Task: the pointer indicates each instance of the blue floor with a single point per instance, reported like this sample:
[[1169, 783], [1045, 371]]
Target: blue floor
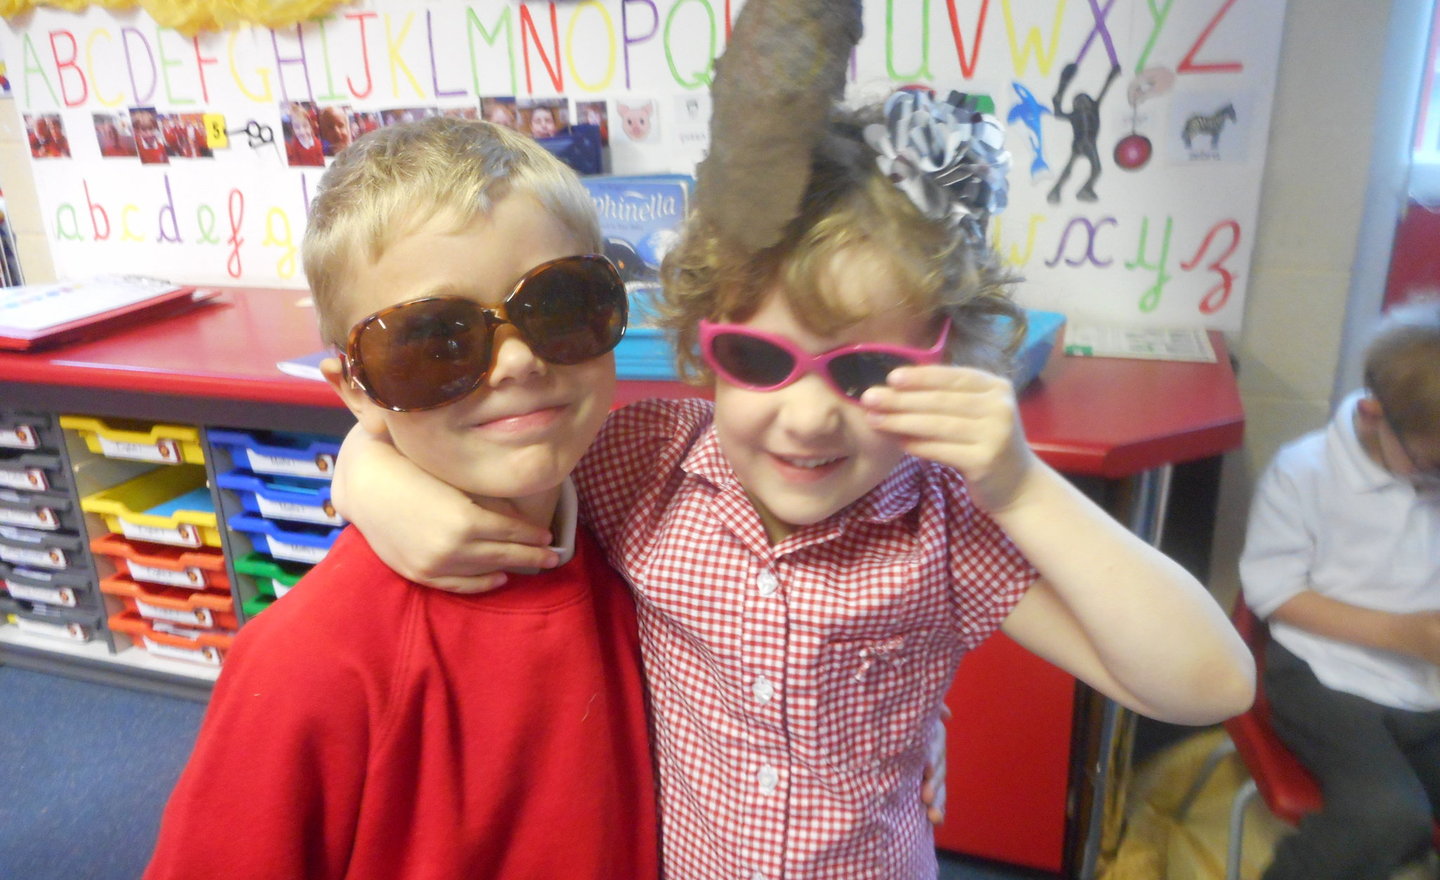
[[85, 770]]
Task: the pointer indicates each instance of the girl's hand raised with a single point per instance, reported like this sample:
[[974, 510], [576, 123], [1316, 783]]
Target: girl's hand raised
[[961, 417]]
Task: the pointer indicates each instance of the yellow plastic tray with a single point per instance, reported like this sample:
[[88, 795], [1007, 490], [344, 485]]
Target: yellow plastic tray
[[159, 443], [131, 502]]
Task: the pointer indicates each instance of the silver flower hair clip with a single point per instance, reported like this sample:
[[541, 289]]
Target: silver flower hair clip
[[949, 158]]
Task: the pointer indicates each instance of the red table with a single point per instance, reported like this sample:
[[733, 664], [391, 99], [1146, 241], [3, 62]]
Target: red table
[[1024, 739]]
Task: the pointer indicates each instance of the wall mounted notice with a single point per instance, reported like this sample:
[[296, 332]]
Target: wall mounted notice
[[1138, 127]]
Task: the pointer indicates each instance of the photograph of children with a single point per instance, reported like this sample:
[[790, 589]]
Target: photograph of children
[[337, 129], [544, 117], [500, 111], [406, 114], [112, 133], [594, 113], [47, 136], [461, 112], [185, 136], [298, 121], [149, 141], [171, 133], [364, 121]]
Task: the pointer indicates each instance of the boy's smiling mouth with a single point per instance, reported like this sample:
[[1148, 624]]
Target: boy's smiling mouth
[[523, 420]]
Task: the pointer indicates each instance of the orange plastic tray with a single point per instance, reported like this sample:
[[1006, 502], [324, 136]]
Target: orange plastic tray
[[164, 564], [206, 647], [177, 605]]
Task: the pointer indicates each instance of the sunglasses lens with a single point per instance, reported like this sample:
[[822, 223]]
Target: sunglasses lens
[[750, 361], [425, 353], [854, 373], [572, 310]]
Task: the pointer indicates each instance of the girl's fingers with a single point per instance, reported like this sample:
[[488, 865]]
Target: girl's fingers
[[957, 455], [492, 526], [485, 557], [944, 377], [923, 425], [943, 403]]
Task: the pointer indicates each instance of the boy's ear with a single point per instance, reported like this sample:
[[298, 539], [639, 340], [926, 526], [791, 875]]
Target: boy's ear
[[369, 415], [1369, 409]]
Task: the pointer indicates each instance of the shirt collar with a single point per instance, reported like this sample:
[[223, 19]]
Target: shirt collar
[[1348, 455], [562, 527], [896, 495]]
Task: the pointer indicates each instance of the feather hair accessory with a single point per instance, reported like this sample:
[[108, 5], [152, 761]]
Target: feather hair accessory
[[946, 156], [774, 88]]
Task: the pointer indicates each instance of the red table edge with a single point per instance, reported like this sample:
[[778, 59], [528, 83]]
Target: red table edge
[[1111, 462], [104, 366]]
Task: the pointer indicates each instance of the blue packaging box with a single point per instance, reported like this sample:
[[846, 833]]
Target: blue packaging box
[[640, 219]]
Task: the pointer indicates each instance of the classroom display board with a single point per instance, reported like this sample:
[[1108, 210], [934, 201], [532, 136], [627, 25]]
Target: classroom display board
[[1138, 128]]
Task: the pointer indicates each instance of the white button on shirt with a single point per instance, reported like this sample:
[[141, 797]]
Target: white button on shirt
[[769, 779], [763, 690], [767, 583]]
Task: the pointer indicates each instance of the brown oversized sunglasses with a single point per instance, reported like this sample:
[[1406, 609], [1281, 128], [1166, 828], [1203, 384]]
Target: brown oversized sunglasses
[[428, 352]]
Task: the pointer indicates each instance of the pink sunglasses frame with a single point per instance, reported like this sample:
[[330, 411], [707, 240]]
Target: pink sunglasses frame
[[806, 362]]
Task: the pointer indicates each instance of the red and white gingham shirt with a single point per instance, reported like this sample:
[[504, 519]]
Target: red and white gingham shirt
[[792, 686]]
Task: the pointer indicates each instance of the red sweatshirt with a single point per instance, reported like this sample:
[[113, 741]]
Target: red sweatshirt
[[367, 727]]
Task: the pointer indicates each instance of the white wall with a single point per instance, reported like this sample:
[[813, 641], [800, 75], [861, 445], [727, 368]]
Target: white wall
[[1314, 289], [1328, 98]]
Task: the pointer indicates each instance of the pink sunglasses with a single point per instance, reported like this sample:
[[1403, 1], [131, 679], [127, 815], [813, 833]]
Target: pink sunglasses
[[760, 361]]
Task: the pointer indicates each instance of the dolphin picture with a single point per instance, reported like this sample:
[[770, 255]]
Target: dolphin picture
[[1029, 112]]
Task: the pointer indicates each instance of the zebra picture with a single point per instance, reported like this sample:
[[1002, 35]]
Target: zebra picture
[[1212, 125]]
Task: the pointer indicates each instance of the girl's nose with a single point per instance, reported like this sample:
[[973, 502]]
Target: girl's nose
[[809, 408]]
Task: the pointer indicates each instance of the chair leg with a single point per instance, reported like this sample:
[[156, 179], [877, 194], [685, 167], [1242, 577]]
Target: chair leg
[[1221, 751], [1243, 797]]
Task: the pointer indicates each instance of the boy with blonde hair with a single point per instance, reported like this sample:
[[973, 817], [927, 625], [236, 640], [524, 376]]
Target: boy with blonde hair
[[365, 726], [1342, 557]]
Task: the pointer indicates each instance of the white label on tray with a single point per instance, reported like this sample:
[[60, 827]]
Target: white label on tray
[[187, 616], [45, 557], [322, 465], [75, 632], [28, 478], [164, 450], [280, 589], [20, 437], [183, 534], [190, 577], [49, 595], [41, 518], [296, 552], [208, 656], [324, 513]]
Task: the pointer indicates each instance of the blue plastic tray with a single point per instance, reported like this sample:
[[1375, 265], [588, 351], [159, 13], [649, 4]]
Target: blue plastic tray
[[291, 455], [298, 542], [283, 498]]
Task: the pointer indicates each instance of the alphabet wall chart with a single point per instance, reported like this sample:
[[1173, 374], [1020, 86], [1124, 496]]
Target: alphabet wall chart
[[1138, 128]]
